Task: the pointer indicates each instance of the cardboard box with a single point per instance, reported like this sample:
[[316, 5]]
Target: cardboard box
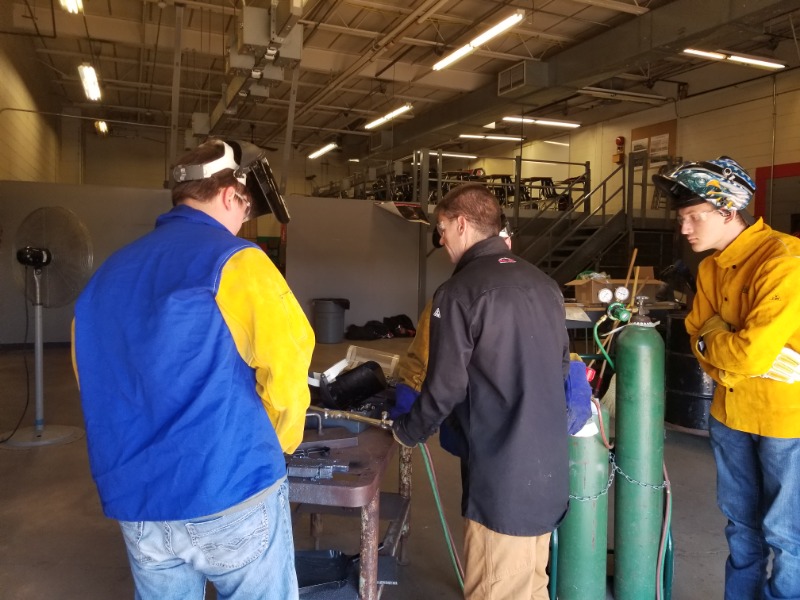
[[586, 290]]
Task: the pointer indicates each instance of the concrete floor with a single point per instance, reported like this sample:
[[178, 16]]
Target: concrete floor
[[56, 544]]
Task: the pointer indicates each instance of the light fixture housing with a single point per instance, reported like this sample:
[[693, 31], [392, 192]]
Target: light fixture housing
[[324, 150], [101, 127], [73, 7], [487, 35], [626, 96], [500, 138], [760, 62], [388, 117], [544, 122], [632, 9], [91, 86]]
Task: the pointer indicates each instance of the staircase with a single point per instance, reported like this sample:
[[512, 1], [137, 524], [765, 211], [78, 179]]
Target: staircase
[[565, 243]]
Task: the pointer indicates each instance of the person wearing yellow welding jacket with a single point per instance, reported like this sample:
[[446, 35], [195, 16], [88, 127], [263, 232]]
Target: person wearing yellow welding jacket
[[192, 358], [744, 328]]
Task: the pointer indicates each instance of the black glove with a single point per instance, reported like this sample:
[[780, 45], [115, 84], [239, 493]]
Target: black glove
[[400, 434]]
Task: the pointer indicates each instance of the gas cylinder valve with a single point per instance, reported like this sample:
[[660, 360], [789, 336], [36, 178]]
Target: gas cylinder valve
[[618, 312]]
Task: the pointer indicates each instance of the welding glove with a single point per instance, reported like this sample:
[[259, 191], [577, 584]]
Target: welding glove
[[579, 397], [401, 435], [715, 323], [786, 367], [404, 398]]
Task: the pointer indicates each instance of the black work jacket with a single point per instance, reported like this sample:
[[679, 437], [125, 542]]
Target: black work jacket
[[498, 360]]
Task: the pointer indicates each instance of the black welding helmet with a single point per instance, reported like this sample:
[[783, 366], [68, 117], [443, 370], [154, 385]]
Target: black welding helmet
[[250, 168]]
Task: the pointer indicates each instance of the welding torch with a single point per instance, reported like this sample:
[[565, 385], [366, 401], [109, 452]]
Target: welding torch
[[384, 422]]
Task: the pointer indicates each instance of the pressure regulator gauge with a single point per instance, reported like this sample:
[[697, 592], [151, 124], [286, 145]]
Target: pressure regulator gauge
[[605, 295], [621, 294]]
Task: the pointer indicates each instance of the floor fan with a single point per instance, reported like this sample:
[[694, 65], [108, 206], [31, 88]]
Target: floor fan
[[53, 257]]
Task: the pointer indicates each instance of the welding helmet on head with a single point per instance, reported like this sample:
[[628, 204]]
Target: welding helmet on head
[[722, 182], [250, 168]]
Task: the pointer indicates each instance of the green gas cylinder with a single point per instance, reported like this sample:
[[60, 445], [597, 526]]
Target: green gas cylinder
[[639, 456], [583, 535]]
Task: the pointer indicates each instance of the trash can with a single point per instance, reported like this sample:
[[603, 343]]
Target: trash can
[[329, 319]]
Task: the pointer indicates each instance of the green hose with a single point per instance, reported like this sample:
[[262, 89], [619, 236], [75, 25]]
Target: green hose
[[431, 477], [599, 343]]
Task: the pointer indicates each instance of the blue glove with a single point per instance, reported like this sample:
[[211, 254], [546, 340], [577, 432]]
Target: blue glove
[[579, 397], [404, 398]]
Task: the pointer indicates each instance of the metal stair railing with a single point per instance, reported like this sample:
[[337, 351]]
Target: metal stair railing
[[558, 231]]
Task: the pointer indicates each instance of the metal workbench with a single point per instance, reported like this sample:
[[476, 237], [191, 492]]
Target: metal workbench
[[358, 490]]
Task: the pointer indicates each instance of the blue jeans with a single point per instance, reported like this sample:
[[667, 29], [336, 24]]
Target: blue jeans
[[247, 555], [758, 490]]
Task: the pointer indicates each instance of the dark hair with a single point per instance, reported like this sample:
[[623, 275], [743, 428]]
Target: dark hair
[[476, 204], [204, 190]]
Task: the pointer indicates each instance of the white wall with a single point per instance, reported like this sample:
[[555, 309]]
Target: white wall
[[337, 248], [344, 248], [113, 217], [739, 122]]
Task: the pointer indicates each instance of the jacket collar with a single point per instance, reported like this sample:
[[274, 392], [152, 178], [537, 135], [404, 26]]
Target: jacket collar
[[187, 214], [491, 245], [745, 244]]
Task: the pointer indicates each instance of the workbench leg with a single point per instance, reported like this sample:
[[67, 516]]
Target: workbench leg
[[405, 493], [368, 576], [316, 528]]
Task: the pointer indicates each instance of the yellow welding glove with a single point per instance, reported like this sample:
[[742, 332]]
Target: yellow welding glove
[[714, 325], [786, 367]]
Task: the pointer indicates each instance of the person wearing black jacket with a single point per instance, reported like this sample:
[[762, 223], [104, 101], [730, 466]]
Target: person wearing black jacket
[[498, 360]]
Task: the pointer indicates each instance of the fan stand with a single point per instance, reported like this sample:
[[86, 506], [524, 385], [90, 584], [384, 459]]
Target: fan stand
[[38, 435]]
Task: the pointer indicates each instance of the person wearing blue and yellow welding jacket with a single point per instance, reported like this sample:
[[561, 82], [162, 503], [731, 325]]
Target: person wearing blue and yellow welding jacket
[[744, 328], [192, 358]]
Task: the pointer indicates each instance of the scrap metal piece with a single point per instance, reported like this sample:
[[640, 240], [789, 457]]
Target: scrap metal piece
[[315, 468]]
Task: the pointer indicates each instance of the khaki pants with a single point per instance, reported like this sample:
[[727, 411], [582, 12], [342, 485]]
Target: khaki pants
[[504, 567]]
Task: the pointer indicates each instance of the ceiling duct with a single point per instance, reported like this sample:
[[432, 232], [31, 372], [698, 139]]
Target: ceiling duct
[[522, 79], [268, 39], [380, 140]]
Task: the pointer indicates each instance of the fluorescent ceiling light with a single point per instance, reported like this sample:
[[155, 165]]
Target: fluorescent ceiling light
[[323, 150], [101, 127], [755, 61], [704, 54], [622, 95], [73, 7], [457, 155], [388, 117], [469, 48], [545, 122], [502, 138], [737, 57], [353, 160], [556, 143], [91, 87]]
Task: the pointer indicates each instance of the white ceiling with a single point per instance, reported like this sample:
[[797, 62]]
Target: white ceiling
[[355, 60]]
